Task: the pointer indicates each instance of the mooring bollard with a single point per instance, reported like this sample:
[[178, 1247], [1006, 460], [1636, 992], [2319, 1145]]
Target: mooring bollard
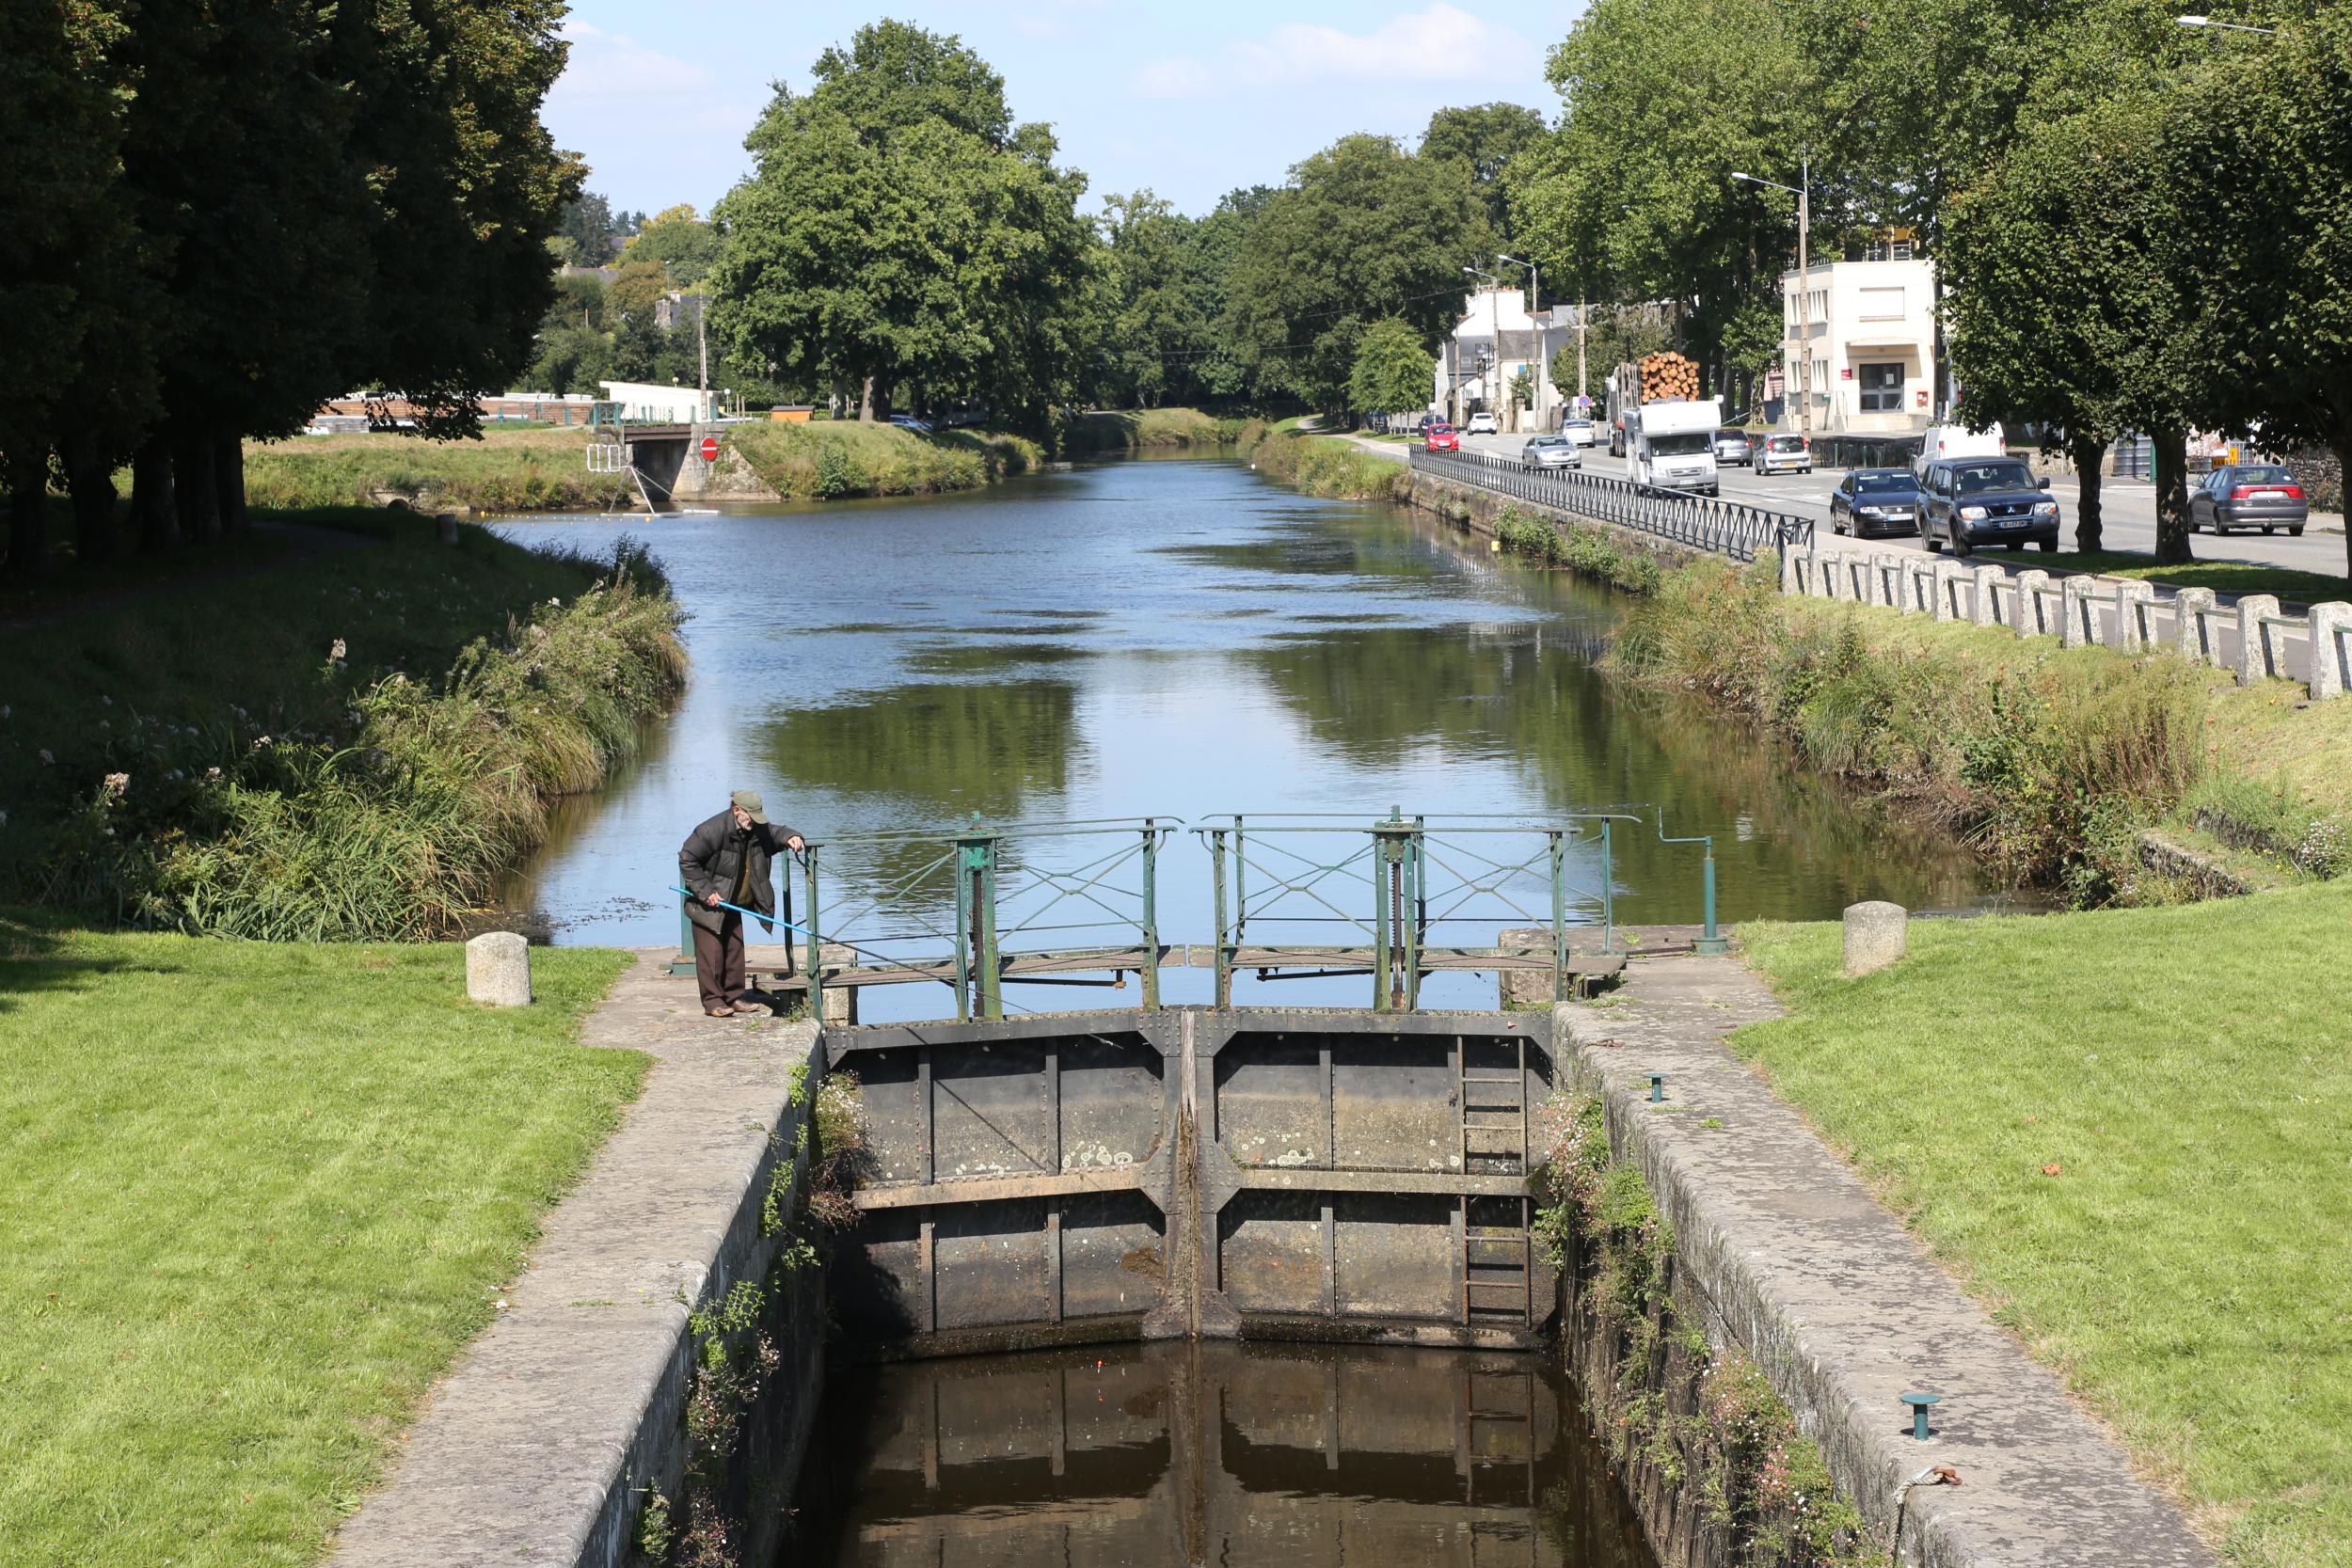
[[1877, 934], [1919, 1403], [498, 969], [445, 527], [1658, 1088]]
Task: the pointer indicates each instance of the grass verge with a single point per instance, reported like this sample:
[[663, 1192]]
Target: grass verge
[[2130, 1142], [1328, 466], [539, 469], [254, 1198], [834, 459], [2223, 576], [1584, 549], [1108, 430]]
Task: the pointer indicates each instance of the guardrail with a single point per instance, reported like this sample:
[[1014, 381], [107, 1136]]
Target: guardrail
[[1699, 522], [2249, 637]]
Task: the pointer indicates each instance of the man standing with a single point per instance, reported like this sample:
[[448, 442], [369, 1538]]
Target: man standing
[[728, 860]]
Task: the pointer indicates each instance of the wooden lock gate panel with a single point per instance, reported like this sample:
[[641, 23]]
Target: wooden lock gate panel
[[1264, 1172]]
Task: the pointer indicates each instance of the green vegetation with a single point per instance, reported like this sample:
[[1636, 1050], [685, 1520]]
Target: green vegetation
[[832, 459], [1148, 430], [1392, 371], [534, 469], [1672, 1407], [2229, 576], [1584, 549], [331, 748], [1328, 466], [254, 1199], [2130, 1145]]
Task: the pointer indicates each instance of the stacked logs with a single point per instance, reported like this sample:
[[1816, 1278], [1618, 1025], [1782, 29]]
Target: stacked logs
[[1667, 374]]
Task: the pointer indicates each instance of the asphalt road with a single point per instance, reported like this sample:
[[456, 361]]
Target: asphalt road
[[2129, 506]]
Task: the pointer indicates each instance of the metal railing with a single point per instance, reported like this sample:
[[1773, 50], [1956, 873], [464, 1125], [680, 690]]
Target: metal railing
[[1706, 523]]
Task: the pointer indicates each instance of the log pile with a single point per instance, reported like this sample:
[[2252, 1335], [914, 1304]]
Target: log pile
[[1667, 374]]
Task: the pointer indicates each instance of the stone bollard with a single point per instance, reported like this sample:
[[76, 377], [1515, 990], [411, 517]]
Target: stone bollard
[[2029, 586], [498, 969], [2133, 611], [1877, 934], [1943, 577], [2332, 659], [2255, 663], [1985, 609], [1894, 582], [2191, 635], [2074, 612], [1789, 569], [445, 525]]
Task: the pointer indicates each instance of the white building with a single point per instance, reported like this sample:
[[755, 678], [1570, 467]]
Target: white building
[[1468, 377], [1873, 343], [655, 403]]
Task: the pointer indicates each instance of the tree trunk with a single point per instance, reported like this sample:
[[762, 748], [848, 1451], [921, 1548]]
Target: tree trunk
[[154, 503], [199, 497], [2172, 457], [89, 479], [866, 401], [229, 479], [29, 501], [2089, 454], [2343, 484]]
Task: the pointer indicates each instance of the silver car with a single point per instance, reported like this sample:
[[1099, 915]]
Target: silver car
[[1551, 452], [1784, 455], [2250, 495], [1732, 446]]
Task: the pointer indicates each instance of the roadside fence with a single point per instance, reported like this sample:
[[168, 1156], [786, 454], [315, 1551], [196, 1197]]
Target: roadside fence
[[1697, 522]]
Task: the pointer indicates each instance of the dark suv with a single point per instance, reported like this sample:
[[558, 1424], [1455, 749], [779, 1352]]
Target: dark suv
[[1986, 500]]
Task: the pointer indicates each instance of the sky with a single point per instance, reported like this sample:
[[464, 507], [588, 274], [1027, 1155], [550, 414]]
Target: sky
[[1191, 100]]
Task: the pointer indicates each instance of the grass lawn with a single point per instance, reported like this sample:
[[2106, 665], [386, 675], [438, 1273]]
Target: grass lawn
[[2187, 1069], [2226, 576], [253, 1200]]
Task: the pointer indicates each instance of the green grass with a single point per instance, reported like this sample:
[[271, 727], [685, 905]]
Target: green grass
[[2186, 1069], [1139, 429], [2226, 576], [841, 458], [253, 1200], [1320, 465], [541, 468]]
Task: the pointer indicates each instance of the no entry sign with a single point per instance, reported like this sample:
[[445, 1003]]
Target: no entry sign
[[710, 449]]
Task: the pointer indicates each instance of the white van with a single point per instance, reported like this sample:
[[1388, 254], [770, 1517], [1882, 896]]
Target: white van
[[1958, 440]]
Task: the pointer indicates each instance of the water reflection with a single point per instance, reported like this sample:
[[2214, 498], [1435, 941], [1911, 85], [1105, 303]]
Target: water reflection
[[1212, 1453]]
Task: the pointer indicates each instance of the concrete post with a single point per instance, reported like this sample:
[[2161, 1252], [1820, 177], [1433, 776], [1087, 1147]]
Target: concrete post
[[2135, 605], [1986, 610], [2191, 636], [498, 969], [1942, 576], [2074, 611], [2029, 586], [1877, 934], [2255, 663], [445, 527], [2332, 650], [1789, 569], [1894, 582], [1859, 571], [1829, 566]]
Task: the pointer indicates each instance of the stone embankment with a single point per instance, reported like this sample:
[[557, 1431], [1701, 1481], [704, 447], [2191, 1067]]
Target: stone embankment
[[565, 1427], [1781, 1252]]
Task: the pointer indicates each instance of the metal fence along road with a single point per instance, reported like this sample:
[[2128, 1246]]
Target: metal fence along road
[[1700, 522]]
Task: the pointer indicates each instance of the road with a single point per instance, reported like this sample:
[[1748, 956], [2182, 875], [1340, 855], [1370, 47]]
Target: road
[[2130, 511]]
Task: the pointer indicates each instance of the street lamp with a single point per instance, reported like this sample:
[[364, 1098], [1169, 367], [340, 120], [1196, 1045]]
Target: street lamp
[[1803, 193], [1534, 303], [2225, 27]]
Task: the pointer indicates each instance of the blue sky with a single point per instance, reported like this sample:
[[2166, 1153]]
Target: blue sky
[[1191, 100]]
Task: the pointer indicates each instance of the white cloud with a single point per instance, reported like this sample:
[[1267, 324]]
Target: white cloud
[[607, 65], [1443, 43]]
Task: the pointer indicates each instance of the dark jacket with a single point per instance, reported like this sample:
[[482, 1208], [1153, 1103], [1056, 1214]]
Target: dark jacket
[[712, 856]]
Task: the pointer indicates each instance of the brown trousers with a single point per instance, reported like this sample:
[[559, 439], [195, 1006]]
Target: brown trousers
[[719, 960]]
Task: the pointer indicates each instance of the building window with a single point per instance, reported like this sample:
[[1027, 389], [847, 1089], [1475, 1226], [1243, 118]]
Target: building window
[[1882, 388]]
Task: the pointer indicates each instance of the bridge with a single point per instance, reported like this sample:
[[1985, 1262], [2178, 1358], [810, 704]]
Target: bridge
[[656, 452]]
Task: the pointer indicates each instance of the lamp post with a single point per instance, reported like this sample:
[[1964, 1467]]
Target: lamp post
[[1494, 319], [1803, 191], [1534, 303]]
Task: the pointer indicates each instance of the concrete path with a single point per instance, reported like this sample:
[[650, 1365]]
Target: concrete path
[[529, 1453], [1841, 1307]]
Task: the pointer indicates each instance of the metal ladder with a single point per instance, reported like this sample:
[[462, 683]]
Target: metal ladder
[[1499, 1255]]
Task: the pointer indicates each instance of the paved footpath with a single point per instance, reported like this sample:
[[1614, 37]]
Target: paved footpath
[[529, 1452], [1841, 1307]]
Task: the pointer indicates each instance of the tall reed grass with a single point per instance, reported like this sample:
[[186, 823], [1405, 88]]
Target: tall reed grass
[[400, 822]]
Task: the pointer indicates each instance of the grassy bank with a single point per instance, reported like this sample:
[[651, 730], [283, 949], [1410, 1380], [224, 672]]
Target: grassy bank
[[254, 1199], [1586, 549], [1113, 430], [538, 470], [832, 459], [1328, 466], [2125, 1129], [356, 744], [2224, 577]]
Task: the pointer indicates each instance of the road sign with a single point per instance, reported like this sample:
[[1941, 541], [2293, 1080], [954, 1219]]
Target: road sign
[[710, 449]]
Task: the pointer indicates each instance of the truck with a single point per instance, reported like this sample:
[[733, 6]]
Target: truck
[[1670, 444], [1958, 440]]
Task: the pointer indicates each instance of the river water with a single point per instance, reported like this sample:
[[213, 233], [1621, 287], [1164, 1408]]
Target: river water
[[1178, 636]]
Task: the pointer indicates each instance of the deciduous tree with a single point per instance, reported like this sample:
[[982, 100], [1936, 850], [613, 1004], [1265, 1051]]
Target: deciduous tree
[[1394, 372]]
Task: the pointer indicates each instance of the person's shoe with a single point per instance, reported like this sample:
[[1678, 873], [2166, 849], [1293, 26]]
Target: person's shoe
[[749, 1010], [718, 1012]]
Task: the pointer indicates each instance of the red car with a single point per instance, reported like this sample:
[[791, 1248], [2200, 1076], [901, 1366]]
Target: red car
[[1440, 437]]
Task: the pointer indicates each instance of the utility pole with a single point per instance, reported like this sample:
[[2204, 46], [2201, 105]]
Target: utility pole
[[1803, 191], [702, 342], [1584, 308]]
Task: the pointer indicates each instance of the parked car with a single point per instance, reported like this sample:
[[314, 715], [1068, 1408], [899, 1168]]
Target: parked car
[[1421, 426], [1583, 432], [1551, 452], [1986, 500], [1732, 446], [2250, 495], [908, 421], [1484, 424], [1783, 454], [1440, 436], [1868, 502]]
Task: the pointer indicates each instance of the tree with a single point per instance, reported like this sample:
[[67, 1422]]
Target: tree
[[585, 233], [1365, 230], [1154, 328], [678, 240], [1393, 372], [1214, 249], [1486, 139]]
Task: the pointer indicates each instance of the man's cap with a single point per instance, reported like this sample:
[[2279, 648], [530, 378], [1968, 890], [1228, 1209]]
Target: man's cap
[[748, 800]]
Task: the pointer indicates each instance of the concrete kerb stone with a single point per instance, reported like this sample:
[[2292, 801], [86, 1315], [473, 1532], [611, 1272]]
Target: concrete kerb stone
[[498, 969], [1800, 1268], [1877, 934], [2332, 650], [2255, 660], [1985, 609], [2135, 611], [2192, 634], [538, 1449]]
